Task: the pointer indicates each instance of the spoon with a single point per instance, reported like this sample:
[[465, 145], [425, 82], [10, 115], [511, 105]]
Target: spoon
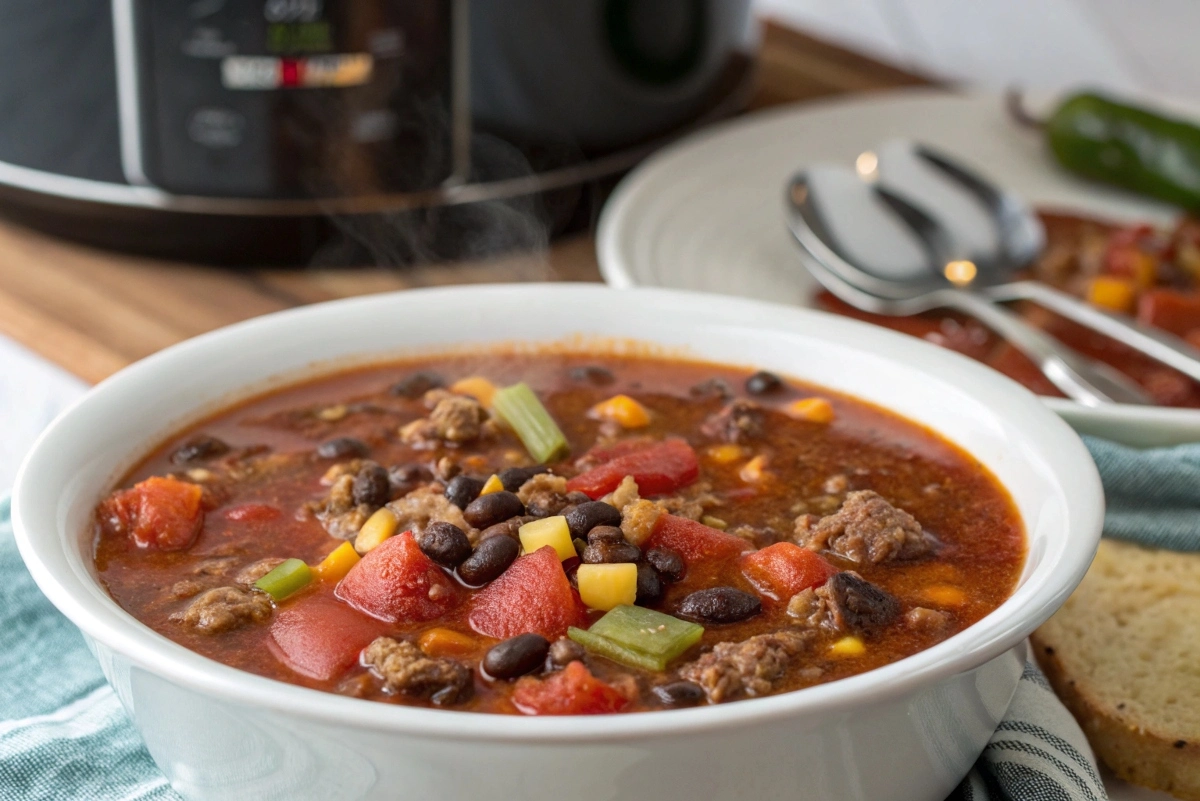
[[1083, 380], [1019, 240]]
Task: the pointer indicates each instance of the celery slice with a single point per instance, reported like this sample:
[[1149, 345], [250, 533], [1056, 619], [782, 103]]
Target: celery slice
[[289, 577], [639, 637], [522, 410]]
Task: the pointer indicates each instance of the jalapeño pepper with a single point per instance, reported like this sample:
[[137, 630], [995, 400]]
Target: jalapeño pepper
[[1129, 147]]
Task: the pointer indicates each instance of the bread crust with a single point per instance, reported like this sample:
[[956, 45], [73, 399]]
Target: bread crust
[[1135, 745]]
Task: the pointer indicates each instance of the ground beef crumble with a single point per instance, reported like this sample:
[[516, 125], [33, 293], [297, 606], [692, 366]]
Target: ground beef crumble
[[405, 669], [844, 603], [426, 505], [224, 609], [453, 419], [748, 668], [739, 422], [865, 529], [544, 495]]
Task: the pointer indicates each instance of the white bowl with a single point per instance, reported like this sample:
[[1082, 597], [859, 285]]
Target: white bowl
[[909, 730]]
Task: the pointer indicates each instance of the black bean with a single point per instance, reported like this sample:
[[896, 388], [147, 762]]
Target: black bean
[[610, 553], [371, 486], [513, 477], [605, 535], [586, 516], [864, 606], [417, 384], [461, 490], [508, 528], [495, 507], [444, 543], [669, 564], [198, 449], [516, 656], [649, 586], [491, 558], [342, 448], [578, 498], [719, 605], [679, 693], [763, 383], [405, 478], [563, 652], [593, 374]]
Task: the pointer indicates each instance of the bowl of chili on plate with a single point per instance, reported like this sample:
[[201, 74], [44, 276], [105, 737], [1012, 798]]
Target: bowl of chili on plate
[[559, 540]]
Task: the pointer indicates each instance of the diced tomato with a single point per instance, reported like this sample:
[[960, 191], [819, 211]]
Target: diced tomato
[[573, 691], [1177, 312], [252, 513], [532, 595], [162, 513], [694, 541], [781, 570], [397, 582], [657, 469], [320, 638], [606, 453]]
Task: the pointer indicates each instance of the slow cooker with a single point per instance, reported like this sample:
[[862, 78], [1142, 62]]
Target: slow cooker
[[248, 130]]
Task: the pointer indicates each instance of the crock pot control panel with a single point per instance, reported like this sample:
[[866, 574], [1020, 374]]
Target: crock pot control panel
[[289, 98]]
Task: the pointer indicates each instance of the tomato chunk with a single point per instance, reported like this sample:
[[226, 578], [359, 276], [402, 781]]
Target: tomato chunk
[[320, 638], [1177, 312], [533, 595], [694, 541], [657, 468], [162, 513], [781, 570], [396, 582], [573, 691]]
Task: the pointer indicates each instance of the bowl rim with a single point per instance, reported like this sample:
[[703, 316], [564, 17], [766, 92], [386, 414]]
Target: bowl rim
[[39, 537]]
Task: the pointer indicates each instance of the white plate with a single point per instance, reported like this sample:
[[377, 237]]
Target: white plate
[[707, 212]]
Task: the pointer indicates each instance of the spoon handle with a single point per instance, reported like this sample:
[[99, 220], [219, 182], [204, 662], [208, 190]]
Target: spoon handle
[[1080, 379], [1158, 345]]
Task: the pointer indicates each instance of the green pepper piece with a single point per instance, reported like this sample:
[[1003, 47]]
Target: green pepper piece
[[639, 637], [1128, 146], [289, 577], [522, 410]]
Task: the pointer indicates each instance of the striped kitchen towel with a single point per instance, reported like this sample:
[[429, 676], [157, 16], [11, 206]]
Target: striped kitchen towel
[[65, 737]]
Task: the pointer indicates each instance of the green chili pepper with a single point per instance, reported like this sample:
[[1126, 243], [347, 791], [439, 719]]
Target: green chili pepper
[[1128, 146]]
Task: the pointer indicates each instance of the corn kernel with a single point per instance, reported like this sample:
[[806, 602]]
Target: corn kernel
[[446, 642], [605, 587], [812, 410], [337, 564], [378, 528], [331, 414], [493, 484], [1115, 294], [714, 522], [754, 470], [477, 387], [726, 454], [622, 410], [944, 595], [552, 531], [848, 646]]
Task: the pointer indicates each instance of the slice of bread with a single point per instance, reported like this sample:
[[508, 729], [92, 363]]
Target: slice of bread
[[1124, 656]]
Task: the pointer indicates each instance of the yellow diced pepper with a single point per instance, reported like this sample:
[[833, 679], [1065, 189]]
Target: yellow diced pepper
[[337, 564], [754, 470], [848, 646], [605, 587], [944, 595], [446, 642], [623, 410], [493, 484], [477, 387], [552, 531], [378, 528], [1114, 294], [726, 454], [812, 410]]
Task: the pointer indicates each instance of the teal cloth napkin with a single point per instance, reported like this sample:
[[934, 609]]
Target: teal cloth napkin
[[64, 735]]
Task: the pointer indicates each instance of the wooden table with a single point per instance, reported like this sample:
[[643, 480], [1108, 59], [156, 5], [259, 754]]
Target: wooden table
[[93, 311]]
